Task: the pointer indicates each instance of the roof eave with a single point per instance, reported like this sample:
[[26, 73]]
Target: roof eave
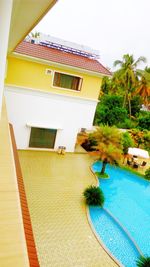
[[57, 64], [21, 25]]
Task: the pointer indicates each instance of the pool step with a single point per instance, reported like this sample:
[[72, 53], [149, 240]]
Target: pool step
[[114, 236]]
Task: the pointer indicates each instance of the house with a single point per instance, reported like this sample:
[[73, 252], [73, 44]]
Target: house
[[17, 19], [51, 93]]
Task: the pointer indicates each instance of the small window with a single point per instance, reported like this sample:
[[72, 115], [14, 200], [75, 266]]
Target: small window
[[42, 138], [67, 81]]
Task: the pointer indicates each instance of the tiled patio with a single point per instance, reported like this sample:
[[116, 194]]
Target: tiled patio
[[54, 185]]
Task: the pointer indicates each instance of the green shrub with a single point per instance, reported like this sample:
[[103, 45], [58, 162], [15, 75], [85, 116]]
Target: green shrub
[[136, 104], [146, 138], [144, 122], [110, 111], [127, 142], [143, 262], [147, 174], [94, 196], [126, 124]]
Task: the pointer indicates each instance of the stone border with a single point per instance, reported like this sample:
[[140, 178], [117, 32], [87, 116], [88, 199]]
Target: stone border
[[31, 247]]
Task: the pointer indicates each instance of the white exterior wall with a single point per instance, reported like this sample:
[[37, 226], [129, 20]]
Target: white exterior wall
[[5, 17], [47, 110]]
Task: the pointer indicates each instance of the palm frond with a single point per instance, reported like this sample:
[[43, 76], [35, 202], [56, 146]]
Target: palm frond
[[117, 62], [140, 60], [143, 262]]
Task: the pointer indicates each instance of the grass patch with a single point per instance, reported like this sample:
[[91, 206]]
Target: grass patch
[[104, 176], [131, 170], [124, 168], [134, 172]]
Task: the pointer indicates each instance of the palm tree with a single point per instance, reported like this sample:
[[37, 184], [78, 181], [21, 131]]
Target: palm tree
[[111, 85], [127, 76], [108, 148], [35, 34], [127, 141], [106, 85], [143, 88], [137, 136]]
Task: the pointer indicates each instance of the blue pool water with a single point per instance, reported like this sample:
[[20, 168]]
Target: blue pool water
[[114, 237], [127, 197]]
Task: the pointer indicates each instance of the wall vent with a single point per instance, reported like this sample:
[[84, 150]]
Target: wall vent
[[48, 72]]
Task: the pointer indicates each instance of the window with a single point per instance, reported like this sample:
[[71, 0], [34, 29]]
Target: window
[[42, 138], [67, 81]]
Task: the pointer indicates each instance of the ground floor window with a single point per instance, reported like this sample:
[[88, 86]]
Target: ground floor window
[[42, 138]]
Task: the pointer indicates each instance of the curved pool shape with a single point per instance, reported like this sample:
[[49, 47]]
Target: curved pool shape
[[127, 198]]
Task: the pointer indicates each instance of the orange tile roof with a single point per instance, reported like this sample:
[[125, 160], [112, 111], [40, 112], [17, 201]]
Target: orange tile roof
[[58, 56]]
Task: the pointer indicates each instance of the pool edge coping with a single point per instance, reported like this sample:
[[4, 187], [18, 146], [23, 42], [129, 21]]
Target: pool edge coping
[[95, 233], [109, 213]]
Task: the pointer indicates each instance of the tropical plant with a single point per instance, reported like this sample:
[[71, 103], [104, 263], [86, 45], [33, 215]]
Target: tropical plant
[[143, 262], [109, 147], [127, 76], [34, 34], [137, 136], [127, 124], [144, 122], [94, 196], [143, 88], [82, 137], [147, 174], [106, 85], [127, 142], [117, 87], [89, 143], [146, 138], [109, 110], [136, 105]]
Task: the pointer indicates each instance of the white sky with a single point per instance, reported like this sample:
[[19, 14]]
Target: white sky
[[114, 27]]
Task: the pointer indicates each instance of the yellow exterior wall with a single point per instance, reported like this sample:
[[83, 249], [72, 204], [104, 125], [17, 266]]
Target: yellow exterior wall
[[32, 75]]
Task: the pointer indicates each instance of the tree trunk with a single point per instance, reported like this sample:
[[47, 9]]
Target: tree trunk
[[103, 167], [129, 102], [124, 100]]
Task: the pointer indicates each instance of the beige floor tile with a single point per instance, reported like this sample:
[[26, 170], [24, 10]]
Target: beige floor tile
[[54, 186]]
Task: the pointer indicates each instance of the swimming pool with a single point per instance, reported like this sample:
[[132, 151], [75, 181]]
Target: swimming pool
[[127, 198]]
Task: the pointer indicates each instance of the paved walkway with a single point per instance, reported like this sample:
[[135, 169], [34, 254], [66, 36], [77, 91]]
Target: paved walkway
[[54, 186], [80, 149]]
